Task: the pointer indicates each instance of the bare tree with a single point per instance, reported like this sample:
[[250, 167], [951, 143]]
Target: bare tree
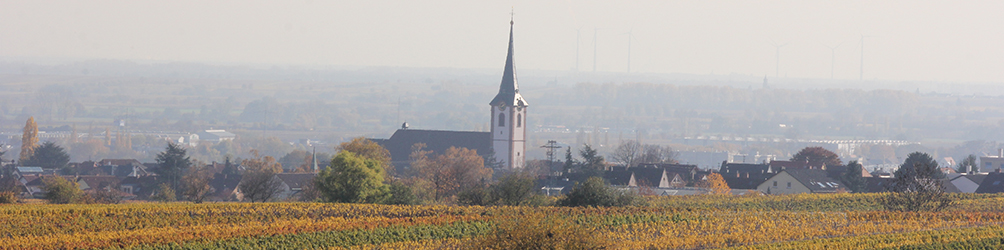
[[627, 152], [259, 186], [195, 184], [657, 154], [455, 170], [259, 183]]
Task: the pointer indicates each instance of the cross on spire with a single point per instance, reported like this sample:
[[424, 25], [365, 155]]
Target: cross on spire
[[512, 15]]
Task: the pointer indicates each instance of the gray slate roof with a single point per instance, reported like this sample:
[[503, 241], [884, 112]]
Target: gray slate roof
[[816, 180], [993, 183], [437, 141], [296, 181]]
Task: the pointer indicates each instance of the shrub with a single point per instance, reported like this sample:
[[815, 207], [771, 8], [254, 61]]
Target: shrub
[[164, 194], [594, 192], [539, 231], [105, 196], [401, 194], [8, 197], [513, 189], [59, 190], [475, 196]]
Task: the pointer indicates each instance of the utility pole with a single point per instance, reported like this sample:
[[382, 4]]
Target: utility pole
[[550, 147]]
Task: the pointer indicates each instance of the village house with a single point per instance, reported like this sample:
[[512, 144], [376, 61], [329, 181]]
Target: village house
[[795, 181]]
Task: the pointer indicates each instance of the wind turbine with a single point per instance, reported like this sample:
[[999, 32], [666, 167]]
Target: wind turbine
[[595, 31], [777, 60], [833, 57], [630, 37], [577, 33]]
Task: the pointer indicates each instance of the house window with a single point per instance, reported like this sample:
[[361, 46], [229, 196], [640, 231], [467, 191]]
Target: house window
[[775, 183], [519, 120], [789, 185], [501, 120]]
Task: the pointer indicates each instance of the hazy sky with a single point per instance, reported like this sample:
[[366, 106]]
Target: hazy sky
[[904, 40]]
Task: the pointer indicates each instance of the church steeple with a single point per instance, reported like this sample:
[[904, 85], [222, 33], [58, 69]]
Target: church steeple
[[509, 90], [509, 116]]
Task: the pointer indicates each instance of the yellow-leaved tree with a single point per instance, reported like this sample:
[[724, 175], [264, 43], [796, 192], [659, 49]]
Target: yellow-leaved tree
[[716, 185], [29, 139]]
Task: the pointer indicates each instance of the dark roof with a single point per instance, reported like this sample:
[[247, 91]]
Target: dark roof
[[949, 187], [31, 180], [816, 180], [687, 172], [743, 168], [877, 184], [744, 182], [880, 172], [782, 165], [977, 178], [745, 175], [509, 90], [99, 181], [142, 186], [143, 180], [574, 177], [618, 177], [993, 183], [649, 177], [222, 182], [437, 141], [296, 181]]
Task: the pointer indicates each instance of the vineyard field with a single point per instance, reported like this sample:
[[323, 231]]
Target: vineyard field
[[834, 221]]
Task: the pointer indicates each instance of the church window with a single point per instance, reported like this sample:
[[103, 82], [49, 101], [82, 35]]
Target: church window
[[519, 120], [501, 120]]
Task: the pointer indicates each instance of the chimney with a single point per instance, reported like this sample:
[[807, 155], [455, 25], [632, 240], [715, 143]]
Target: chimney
[[1000, 153]]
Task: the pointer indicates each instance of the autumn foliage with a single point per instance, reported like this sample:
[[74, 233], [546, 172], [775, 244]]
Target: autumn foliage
[[716, 185], [832, 221]]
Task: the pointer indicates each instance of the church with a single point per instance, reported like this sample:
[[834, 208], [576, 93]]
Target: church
[[506, 141]]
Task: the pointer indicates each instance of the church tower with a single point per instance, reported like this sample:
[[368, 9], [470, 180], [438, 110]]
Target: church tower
[[508, 126]]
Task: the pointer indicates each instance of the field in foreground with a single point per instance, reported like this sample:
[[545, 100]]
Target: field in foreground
[[843, 221]]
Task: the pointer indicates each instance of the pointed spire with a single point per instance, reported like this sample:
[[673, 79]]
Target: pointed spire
[[509, 89]]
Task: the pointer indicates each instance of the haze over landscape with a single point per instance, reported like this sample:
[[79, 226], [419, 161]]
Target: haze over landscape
[[453, 124], [345, 69], [904, 40]]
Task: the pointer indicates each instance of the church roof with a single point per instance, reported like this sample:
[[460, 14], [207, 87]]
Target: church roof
[[509, 90], [436, 141]]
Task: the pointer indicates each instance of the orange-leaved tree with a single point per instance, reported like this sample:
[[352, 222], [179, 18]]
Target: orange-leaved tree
[[716, 185], [454, 170]]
